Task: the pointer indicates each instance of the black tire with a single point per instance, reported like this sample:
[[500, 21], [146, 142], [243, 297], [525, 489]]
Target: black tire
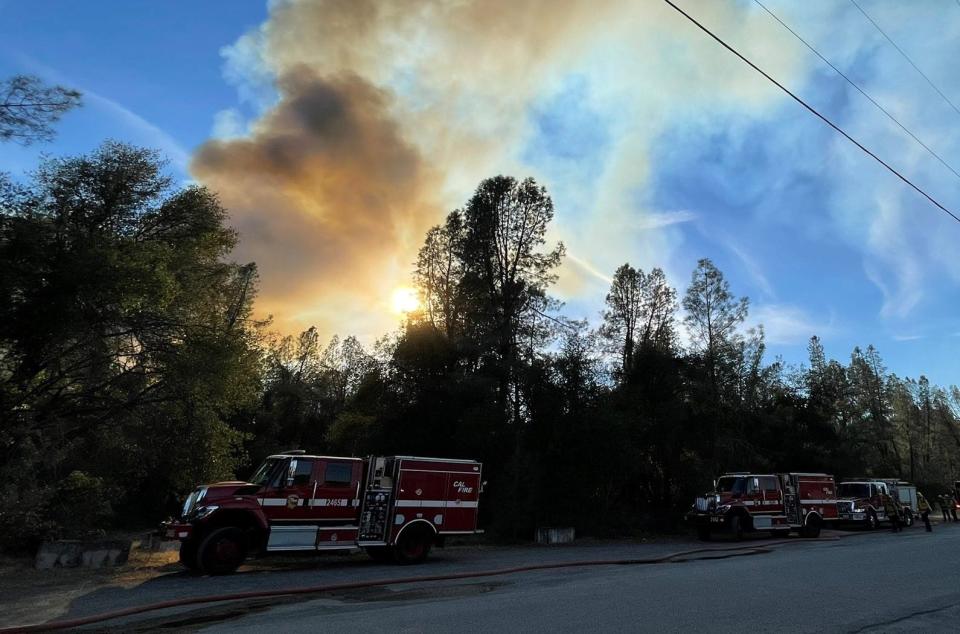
[[380, 554], [413, 546], [188, 555], [872, 522], [736, 527], [812, 528], [222, 551], [703, 533], [908, 518]]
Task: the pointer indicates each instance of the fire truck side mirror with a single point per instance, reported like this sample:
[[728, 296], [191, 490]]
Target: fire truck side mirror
[[483, 485], [714, 485]]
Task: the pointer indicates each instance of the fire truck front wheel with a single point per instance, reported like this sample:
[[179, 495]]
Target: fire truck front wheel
[[736, 527], [222, 551], [188, 555], [413, 546]]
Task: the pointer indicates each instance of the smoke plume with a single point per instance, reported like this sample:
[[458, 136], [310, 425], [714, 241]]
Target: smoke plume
[[387, 115]]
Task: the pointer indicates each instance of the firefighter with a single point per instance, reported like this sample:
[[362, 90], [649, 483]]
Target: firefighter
[[893, 513], [944, 508], [924, 507]]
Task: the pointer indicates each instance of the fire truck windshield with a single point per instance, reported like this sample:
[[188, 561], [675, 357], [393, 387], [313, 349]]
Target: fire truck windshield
[[853, 490], [728, 484], [262, 475]]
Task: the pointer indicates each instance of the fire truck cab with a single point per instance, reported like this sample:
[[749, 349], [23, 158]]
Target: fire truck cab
[[861, 501], [774, 502], [394, 507]]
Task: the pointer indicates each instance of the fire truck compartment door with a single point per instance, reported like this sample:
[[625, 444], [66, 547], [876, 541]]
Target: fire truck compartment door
[[762, 522], [292, 538]]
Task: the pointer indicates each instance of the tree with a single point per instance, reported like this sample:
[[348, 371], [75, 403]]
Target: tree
[[28, 108], [870, 392], [640, 312], [624, 307], [438, 274], [713, 316], [506, 273], [127, 346]]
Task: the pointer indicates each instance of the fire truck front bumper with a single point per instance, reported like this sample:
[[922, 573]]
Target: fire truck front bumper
[[713, 520], [175, 529], [852, 517]]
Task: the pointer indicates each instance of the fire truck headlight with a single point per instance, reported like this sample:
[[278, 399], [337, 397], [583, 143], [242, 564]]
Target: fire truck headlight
[[203, 511]]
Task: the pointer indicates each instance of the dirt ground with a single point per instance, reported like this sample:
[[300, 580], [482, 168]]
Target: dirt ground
[[28, 595]]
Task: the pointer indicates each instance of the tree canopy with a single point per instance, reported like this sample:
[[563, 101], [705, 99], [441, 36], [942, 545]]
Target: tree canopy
[[132, 369]]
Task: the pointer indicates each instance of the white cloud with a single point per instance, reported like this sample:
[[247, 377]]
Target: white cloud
[[229, 124], [753, 269], [906, 337], [786, 324], [147, 133], [658, 220]]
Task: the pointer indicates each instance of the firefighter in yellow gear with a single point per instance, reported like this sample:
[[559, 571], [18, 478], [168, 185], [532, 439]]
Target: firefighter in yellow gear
[[924, 508], [892, 510]]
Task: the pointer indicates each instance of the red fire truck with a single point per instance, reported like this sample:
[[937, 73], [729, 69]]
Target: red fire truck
[[394, 507], [861, 501], [775, 502]]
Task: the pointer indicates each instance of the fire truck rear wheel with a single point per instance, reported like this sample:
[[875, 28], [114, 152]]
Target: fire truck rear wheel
[[222, 551], [413, 546], [188, 555], [812, 528]]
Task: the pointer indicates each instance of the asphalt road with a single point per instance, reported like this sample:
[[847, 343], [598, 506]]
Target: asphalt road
[[864, 583]]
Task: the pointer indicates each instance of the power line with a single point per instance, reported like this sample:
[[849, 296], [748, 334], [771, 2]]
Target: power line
[[905, 56], [814, 111], [859, 89], [554, 319]]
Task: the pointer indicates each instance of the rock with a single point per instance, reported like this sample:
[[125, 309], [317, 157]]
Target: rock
[[71, 554], [555, 535]]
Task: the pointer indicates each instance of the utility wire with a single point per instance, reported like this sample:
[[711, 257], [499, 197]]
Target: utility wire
[[814, 111], [905, 56], [554, 319], [859, 89]]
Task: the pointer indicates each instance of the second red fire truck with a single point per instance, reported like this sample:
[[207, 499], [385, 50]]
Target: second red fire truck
[[394, 507], [774, 502]]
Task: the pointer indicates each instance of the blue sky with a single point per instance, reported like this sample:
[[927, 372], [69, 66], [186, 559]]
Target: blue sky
[[657, 149]]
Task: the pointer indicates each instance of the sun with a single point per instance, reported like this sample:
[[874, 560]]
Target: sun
[[405, 300]]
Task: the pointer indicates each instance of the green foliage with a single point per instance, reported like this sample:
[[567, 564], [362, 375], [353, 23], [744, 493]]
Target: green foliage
[[126, 344]]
